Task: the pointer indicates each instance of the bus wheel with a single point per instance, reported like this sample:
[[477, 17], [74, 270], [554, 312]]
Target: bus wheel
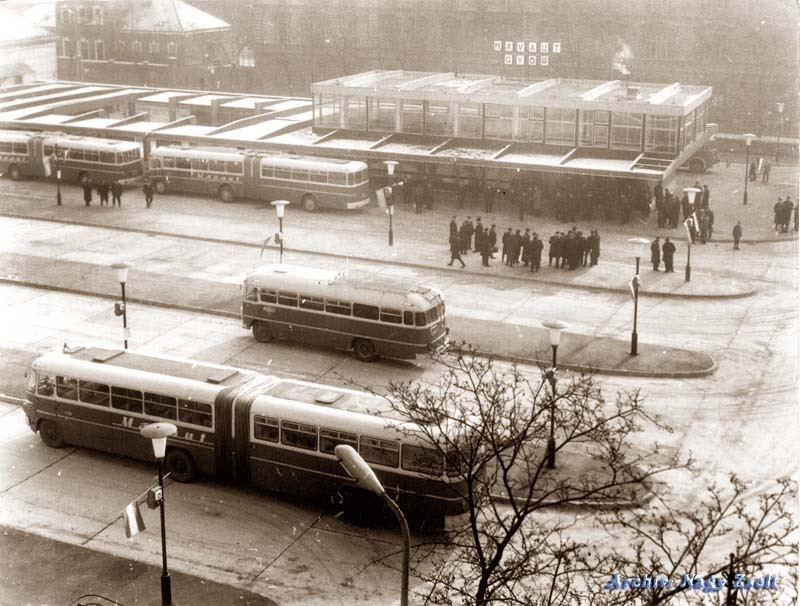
[[83, 177], [261, 332], [180, 465], [364, 350], [160, 186], [14, 173], [51, 434], [226, 194], [310, 203], [697, 165]]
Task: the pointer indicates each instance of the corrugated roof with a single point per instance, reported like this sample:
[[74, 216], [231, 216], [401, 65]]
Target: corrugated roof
[[170, 16]]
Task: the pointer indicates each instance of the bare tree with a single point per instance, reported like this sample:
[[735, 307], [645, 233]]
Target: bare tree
[[491, 427]]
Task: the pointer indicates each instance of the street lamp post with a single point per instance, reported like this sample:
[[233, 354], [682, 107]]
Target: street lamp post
[[639, 247], [390, 166], [58, 174], [280, 206], [158, 434], [780, 132], [554, 327], [122, 310], [748, 139], [365, 477], [691, 192]]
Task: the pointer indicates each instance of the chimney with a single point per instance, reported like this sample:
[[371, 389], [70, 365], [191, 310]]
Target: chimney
[[633, 91]]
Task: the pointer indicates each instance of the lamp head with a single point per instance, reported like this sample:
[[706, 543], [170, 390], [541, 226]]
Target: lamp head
[[555, 327], [390, 166], [639, 245], [691, 192], [358, 469], [748, 139], [280, 205], [122, 271], [158, 434]]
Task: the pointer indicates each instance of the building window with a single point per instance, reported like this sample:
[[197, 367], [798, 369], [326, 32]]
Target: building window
[[83, 15], [98, 15], [172, 50], [247, 58], [560, 126], [121, 48], [626, 131], [136, 47], [154, 48], [99, 50], [66, 15], [67, 48], [84, 47]]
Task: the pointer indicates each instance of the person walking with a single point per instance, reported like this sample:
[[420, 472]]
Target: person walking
[[506, 241], [655, 254], [752, 171], [484, 247], [102, 192], [492, 241], [455, 250], [536, 252], [116, 194], [87, 191], [478, 230], [525, 249], [147, 189], [706, 199], [464, 237], [595, 254], [453, 227], [737, 235], [668, 249], [551, 251], [766, 167]]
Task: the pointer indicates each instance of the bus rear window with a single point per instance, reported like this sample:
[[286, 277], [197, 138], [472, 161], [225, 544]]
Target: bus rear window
[[378, 451], [420, 318], [422, 460]]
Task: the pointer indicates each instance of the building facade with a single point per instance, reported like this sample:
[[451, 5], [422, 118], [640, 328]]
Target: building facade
[[747, 51], [157, 43]]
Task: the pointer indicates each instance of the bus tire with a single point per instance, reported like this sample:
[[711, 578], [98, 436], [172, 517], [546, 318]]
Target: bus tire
[[83, 177], [51, 434], [226, 193], [697, 165], [160, 186], [364, 350], [14, 172], [310, 204], [180, 465], [261, 332]]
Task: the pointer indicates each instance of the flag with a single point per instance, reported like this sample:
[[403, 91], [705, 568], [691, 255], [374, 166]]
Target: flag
[[134, 523], [633, 285], [265, 242], [688, 228]]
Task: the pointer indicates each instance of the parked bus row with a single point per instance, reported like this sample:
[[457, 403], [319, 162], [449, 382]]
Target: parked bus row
[[230, 174], [237, 426]]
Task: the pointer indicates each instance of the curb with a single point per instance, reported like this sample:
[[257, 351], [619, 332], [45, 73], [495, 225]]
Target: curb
[[228, 314], [591, 287]]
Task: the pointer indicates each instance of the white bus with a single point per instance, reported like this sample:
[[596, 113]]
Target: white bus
[[230, 174]]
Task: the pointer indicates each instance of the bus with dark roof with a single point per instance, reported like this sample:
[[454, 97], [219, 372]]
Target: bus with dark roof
[[238, 426]]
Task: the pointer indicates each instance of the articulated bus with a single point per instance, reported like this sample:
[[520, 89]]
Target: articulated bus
[[372, 315], [29, 154], [238, 426], [230, 174]]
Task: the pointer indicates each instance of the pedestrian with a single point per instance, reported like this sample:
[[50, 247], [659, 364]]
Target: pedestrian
[[580, 249], [669, 254], [453, 227], [551, 251], [786, 214], [795, 216], [766, 167], [506, 246], [515, 242], [484, 247], [706, 199], [87, 190], [147, 189], [753, 172], [492, 241], [655, 254], [116, 194], [536, 252], [595, 255], [737, 235], [728, 158], [102, 192], [464, 236], [455, 250], [525, 248], [478, 229], [776, 209]]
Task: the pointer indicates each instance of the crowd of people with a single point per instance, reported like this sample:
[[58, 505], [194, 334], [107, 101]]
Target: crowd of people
[[105, 188], [569, 250], [783, 210]]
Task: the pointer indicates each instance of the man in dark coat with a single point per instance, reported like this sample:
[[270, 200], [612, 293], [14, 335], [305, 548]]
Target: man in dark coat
[[506, 246], [455, 250], [515, 243], [737, 235], [102, 191], [706, 196], [464, 236], [478, 228], [580, 249], [116, 194], [536, 252], [655, 254], [595, 254], [484, 247], [453, 227], [492, 241], [147, 190], [551, 251], [776, 209], [669, 254], [525, 249], [87, 191]]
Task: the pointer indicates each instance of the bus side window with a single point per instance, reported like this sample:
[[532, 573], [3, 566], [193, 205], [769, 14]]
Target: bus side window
[[379, 451], [91, 156], [269, 296], [299, 436], [367, 312], [408, 318], [318, 176], [93, 393], [234, 168], [287, 298], [283, 173], [420, 317], [217, 166], [267, 172], [74, 154], [6, 148], [329, 439], [300, 174], [67, 388], [391, 315], [126, 399], [423, 460], [197, 413], [334, 306], [315, 303], [155, 163], [44, 384], [250, 293], [107, 157], [20, 148], [335, 178], [169, 162], [183, 163], [265, 429], [160, 406]]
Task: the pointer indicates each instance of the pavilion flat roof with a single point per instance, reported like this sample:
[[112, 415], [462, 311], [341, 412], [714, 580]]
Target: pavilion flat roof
[[141, 127], [165, 96]]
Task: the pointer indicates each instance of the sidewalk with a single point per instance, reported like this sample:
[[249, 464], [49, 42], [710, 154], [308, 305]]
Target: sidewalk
[[502, 340], [63, 573]]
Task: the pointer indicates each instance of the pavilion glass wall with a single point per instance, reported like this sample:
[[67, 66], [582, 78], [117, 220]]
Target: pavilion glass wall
[[499, 122], [470, 120], [700, 120], [560, 126], [688, 128], [438, 119], [356, 113], [328, 111], [626, 131], [661, 134], [411, 116], [381, 114]]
